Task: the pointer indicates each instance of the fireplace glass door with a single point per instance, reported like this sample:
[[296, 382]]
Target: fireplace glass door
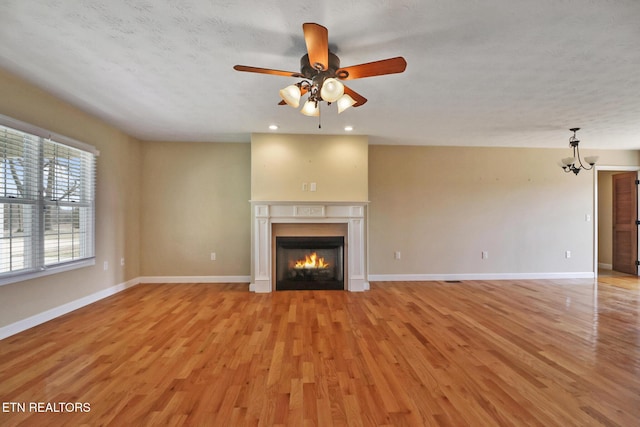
[[309, 263]]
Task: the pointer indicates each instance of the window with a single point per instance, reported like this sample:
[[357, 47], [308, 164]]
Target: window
[[47, 198]]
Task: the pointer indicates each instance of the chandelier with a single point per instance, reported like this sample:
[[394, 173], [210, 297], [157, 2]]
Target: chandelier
[[574, 164], [320, 89]]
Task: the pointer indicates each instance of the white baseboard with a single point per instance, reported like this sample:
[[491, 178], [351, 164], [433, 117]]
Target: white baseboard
[[477, 276], [604, 266], [45, 316], [195, 279], [30, 322]]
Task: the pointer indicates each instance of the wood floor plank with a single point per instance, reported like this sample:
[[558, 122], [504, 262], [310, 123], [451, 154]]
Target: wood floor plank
[[512, 353]]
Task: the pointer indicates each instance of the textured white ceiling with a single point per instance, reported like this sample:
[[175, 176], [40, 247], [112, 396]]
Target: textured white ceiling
[[492, 72]]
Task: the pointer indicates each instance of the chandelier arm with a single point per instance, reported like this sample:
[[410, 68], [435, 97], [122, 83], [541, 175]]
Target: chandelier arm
[[576, 154], [580, 160]]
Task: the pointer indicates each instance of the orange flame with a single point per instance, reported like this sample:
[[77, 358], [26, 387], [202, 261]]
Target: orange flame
[[311, 261]]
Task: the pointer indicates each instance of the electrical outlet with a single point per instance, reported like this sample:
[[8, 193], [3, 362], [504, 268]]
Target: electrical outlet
[[312, 187], [485, 254], [105, 265], [121, 262], [304, 186], [567, 254], [396, 255], [213, 256]]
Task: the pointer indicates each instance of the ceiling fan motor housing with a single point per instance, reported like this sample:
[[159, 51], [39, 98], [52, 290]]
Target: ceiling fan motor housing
[[309, 72]]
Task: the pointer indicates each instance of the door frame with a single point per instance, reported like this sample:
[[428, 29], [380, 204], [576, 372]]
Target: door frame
[[597, 169]]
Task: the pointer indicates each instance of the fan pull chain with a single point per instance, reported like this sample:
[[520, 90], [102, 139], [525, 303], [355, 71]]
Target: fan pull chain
[[319, 116]]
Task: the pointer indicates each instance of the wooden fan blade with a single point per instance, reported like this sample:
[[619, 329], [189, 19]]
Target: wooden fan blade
[[303, 90], [317, 39], [370, 69], [360, 100], [266, 71]]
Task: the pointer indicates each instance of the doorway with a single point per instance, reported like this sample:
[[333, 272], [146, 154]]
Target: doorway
[[616, 243]]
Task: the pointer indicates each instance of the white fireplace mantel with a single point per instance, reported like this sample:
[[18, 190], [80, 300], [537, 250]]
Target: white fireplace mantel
[[265, 214]]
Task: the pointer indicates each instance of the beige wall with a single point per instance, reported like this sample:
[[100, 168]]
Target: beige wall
[[442, 206], [196, 201], [117, 203], [605, 217], [281, 163]]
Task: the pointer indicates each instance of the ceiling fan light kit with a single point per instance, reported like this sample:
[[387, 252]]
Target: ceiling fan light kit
[[311, 108], [331, 90], [345, 102], [291, 95], [574, 163], [322, 75]]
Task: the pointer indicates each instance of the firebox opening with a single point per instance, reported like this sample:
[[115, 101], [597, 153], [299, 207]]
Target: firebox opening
[[310, 263]]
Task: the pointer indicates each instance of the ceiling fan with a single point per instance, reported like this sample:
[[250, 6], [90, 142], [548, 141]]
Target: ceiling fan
[[322, 75]]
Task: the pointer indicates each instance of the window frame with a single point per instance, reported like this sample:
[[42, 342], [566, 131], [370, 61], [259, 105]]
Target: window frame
[[40, 268]]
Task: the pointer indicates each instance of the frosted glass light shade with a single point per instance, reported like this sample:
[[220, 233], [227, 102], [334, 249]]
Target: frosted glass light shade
[[310, 109], [345, 102], [331, 90], [568, 161], [291, 95], [591, 159]]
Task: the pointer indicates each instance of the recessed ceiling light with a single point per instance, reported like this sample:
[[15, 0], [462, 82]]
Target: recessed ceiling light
[[348, 128], [273, 127]]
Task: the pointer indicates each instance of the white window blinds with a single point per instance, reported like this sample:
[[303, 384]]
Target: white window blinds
[[47, 199]]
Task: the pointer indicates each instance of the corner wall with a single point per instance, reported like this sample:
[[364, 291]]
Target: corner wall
[[117, 204], [196, 201], [441, 207]]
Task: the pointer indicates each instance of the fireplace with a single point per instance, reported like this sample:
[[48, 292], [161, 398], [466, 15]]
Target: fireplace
[[297, 222], [309, 263]]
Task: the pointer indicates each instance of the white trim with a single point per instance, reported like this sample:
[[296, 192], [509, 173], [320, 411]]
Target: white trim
[[194, 279], [47, 134], [47, 271], [309, 202], [265, 214], [605, 266], [478, 276], [45, 316], [605, 168]]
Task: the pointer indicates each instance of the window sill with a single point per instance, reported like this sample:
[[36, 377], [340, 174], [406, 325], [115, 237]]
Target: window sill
[[20, 277]]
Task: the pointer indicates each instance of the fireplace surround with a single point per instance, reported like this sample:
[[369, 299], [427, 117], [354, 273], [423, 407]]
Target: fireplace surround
[[298, 219]]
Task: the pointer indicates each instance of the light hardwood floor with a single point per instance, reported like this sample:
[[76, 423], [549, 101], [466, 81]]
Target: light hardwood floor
[[478, 353]]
